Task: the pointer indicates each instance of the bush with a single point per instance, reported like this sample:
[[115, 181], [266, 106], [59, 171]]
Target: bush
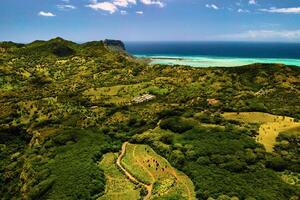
[[40, 189], [235, 166], [277, 163], [176, 124], [170, 113], [157, 91], [63, 138]]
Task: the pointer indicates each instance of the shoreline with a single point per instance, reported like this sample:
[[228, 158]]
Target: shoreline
[[214, 61]]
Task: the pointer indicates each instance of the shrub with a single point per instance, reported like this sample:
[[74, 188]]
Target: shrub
[[277, 163], [176, 125], [63, 138], [40, 189]]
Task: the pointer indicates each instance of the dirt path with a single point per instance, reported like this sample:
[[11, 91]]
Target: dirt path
[[149, 187], [173, 172], [132, 178], [142, 166]]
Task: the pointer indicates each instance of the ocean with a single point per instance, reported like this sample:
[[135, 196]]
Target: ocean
[[216, 54]]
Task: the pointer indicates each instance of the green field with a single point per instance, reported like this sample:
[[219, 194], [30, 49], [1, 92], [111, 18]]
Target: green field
[[150, 168], [117, 184], [270, 125]]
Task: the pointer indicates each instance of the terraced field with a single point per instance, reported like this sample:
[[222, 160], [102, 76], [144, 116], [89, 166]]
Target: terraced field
[[138, 172], [270, 125], [117, 184], [153, 170]]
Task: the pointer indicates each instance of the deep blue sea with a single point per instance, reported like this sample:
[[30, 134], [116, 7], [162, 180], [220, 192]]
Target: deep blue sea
[[205, 54]]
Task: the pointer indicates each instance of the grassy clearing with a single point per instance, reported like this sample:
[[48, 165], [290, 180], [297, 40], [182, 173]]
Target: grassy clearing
[[293, 131], [117, 184], [122, 94], [134, 167], [116, 94], [147, 166], [270, 125]]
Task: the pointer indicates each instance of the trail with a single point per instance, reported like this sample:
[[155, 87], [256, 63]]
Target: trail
[[141, 165], [132, 178], [173, 172]]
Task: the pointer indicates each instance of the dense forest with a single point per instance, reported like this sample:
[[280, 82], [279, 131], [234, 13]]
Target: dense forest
[[64, 105]]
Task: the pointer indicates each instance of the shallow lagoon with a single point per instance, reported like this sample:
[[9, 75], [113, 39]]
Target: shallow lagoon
[[209, 61]]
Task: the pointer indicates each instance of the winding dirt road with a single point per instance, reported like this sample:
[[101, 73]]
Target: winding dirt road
[[149, 187], [132, 178]]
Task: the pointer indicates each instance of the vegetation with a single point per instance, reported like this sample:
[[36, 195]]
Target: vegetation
[[270, 125], [150, 168], [67, 106], [67, 157], [221, 160], [117, 184]]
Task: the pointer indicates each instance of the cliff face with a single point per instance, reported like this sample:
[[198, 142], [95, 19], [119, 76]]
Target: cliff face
[[115, 44]]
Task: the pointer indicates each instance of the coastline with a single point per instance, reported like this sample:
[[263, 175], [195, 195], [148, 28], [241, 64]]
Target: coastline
[[213, 61]]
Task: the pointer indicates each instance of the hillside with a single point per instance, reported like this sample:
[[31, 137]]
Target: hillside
[[67, 108]]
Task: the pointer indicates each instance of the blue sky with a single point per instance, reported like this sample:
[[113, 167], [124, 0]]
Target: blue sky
[[151, 20]]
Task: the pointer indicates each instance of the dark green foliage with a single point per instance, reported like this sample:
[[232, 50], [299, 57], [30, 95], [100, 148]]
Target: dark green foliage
[[288, 151], [52, 133], [63, 138], [60, 50], [72, 172], [227, 161], [57, 47], [13, 142], [170, 113], [8, 45], [143, 192], [176, 124], [40, 189], [277, 163]]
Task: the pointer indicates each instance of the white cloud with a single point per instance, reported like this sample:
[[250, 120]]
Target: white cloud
[[106, 6], [215, 7], [66, 7], [242, 10], [124, 3], [112, 6], [264, 35], [252, 2], [212, 6], [46, 14], [295, 10], [153, 2], [123, 12], [139, 12]]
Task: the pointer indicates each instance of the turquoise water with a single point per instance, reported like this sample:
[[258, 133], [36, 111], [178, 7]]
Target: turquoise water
[[210, 61], [215, 54]]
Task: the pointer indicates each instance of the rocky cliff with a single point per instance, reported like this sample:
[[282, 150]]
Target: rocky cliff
[[115, 44]]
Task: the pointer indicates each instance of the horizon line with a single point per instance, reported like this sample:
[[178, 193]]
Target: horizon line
[[157, 41]]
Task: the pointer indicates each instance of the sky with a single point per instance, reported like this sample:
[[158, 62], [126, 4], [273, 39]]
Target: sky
[[150, 20]]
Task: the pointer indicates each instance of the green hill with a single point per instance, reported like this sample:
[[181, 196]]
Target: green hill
[[64, 105]]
